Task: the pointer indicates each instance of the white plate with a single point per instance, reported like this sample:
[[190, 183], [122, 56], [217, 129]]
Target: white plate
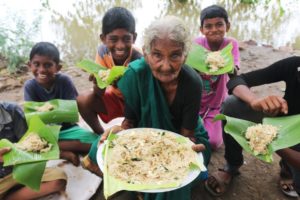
[[191, 176]]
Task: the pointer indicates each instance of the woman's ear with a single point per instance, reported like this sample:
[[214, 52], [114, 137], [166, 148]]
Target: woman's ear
[[145, 54]]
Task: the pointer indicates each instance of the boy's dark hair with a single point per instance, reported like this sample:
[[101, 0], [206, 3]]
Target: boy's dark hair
[[212, 12], [45, 49], [118, 17]]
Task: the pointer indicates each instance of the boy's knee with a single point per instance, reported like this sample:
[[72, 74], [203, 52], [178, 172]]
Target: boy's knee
[[233, 106]]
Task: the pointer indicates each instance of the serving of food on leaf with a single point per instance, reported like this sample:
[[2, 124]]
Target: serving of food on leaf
[[29, 155], [211, 62], [262, 140], [53, 111], [34, 143], [103, 75], [45, 107], [149, 160]]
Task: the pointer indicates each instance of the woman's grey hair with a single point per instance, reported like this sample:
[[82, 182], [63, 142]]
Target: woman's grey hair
[[170, 27]]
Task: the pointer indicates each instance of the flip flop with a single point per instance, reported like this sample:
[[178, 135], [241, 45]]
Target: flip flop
[[286, 186], [219, 182]]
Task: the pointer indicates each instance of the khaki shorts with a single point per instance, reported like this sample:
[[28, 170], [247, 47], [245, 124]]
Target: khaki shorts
[[50, 174]]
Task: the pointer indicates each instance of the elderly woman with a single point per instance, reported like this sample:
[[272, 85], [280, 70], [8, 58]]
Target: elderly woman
[[160, 91]]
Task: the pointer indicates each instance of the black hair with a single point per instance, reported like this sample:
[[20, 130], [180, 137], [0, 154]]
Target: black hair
[[45, 49], [212, 12], [118, 17]]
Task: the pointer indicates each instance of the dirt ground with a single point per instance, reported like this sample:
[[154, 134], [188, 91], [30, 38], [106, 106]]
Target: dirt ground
[[258, 180]]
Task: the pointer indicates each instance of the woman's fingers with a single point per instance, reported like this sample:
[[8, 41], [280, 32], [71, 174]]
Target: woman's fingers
[[198, 147], [114, 129]]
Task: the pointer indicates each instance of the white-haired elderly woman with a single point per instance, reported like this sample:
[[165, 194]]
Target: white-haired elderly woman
[[160, 91]]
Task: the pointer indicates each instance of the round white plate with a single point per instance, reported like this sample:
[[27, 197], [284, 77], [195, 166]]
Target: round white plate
[[191, 176]]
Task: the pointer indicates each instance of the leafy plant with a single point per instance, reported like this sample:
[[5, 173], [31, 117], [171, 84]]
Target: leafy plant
[[16, 42]]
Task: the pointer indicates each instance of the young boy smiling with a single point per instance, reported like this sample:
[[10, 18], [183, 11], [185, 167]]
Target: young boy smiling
[[118, 36], [49, 84]]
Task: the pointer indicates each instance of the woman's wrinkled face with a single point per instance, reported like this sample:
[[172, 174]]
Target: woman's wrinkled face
[[166, 58]]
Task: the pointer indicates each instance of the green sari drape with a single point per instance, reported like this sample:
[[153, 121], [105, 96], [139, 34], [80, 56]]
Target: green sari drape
[[144, 96]]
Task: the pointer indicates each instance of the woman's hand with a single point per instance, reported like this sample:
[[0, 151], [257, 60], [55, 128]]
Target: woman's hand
[[2, 152], [270, 105], [114, 129], [198, 147]]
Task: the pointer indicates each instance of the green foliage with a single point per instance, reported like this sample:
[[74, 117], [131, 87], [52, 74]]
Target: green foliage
[[16, 42], [249, 1]]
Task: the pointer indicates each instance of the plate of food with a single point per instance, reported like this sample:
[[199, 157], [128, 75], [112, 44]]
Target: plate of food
[[211, 62], [148, 160], [262, 140]]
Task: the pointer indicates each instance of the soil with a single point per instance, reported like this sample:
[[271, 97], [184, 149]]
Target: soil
[[258, 180]]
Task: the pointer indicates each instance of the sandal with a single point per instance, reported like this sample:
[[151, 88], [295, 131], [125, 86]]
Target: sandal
[[286, 186], [216, 184]]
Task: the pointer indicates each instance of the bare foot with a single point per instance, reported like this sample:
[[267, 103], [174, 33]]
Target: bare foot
[[217, 183], [71, 157]]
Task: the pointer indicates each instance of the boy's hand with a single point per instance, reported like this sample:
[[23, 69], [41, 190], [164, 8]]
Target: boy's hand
[[2, 152], [114, 129], [271, 105]]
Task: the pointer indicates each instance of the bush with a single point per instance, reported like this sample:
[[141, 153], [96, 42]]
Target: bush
[[16, 43]]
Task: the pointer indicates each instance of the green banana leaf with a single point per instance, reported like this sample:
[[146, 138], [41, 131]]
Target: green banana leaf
[[30, 174], [288, 135], [93, 68], [17, 156], [113, 185], [198, 54], [64, 111]]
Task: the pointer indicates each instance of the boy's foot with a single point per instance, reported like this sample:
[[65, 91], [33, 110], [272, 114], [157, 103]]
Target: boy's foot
[[71, 157], [88, 164], [217, 183]]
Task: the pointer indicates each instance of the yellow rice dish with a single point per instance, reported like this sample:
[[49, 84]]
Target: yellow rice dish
[[34, 143], [260, 136], [44, 108], [215, 61], [150, 157]]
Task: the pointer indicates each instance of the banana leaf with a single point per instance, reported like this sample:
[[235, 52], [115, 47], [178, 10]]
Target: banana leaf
[[197, 57], [30, 174], [93, 68], [17, 156], [64, 111], [288, 134], [113, 185]]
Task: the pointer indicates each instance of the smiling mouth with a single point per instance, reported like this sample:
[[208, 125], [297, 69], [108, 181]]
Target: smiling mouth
[[42, 76], [120, 53]]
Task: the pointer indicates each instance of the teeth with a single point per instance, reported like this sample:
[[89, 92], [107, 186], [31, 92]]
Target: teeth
[[42, 76]]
